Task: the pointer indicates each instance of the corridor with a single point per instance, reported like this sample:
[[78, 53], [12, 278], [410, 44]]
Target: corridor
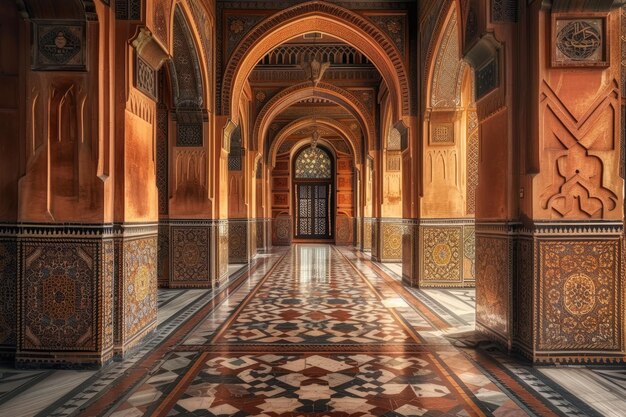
[[312, 330]]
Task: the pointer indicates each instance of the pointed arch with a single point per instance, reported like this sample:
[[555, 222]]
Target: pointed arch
[[298, 92], [304, 122], [320, 17]]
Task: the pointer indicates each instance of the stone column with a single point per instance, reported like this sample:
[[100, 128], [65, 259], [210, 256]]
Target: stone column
[[568, 290]]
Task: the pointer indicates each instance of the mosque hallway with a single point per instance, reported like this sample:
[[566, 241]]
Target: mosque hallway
[[313, 330]]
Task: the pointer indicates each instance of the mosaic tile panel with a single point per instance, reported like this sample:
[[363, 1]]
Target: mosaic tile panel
[[524, 296], [493, 289], [367, 234], [58, 286], [190, 256], [107, 320], [8, 293], [138, 302], [442, 254], [345, 230], [281, 230], [579, 296], [391, 245], [222, 256], [469, 253], [238, 241]]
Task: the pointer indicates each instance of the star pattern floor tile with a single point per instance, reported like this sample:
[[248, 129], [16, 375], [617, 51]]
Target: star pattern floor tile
[[315, 304], [356, 385]]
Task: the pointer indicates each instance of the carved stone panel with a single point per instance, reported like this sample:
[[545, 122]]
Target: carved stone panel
[[59, 46], [128, 9], [222, 241], [579, 41], [394, 25], [145, 78], [442, 134]]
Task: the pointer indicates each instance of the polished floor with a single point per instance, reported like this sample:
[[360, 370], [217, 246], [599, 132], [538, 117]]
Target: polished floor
[[316, 330]]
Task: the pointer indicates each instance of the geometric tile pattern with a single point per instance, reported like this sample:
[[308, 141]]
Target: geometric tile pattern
[[328, 303], [60, 294], [296, 385], [8, 292]]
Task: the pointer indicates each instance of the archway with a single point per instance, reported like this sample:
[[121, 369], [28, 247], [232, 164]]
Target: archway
[[316, 17]]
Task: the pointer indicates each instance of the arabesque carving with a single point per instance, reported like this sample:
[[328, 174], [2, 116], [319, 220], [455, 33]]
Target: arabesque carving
[[578, 188]]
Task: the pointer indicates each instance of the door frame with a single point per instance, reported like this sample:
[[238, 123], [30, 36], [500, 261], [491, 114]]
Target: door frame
[[331, 182]]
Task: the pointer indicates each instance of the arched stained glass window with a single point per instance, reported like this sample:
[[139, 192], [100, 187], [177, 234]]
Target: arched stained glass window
[[313, 163]]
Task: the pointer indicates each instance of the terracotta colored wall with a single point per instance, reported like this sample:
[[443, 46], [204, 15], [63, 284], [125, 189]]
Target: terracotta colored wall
[[10, 136]]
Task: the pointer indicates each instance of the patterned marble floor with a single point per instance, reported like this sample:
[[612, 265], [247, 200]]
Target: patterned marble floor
[[315, 330]]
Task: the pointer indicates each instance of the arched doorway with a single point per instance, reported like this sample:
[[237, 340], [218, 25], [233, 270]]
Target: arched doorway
[[313, 194]]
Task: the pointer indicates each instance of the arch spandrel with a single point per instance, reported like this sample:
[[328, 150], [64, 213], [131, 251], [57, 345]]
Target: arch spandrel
[[301, 91], [319, 17]]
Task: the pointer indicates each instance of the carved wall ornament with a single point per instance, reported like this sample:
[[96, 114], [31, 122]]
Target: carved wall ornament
[[471, 161], [162, 157], [579, 41], [160, 18], [441, 254], [441, 134], [145, 78], [59, 45], [578, 186], [391, 240], [314, 69], [448, 69], [237, 241], [187, 78], [237, 26], [59, 289]]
